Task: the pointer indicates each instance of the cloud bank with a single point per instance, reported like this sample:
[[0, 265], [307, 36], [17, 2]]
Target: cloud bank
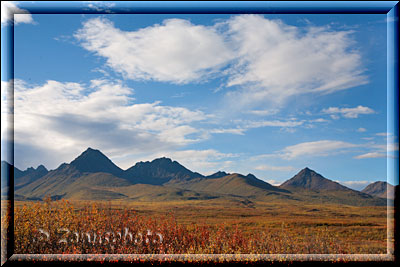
[[262, 60], [69, 117]]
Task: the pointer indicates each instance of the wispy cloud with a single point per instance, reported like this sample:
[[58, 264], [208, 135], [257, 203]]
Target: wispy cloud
[[380, 150], [348, 112], [315, 148], [357, 185], [361, 130], [273, 123], [319, 120], [274, 168], [264, 112], [244, 125], [310, 149], [383, 134], [9, 10], [274, 182], [238, 131], [371, 155]]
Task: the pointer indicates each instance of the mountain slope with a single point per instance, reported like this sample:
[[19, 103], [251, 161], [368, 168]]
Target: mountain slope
[[29, 176], [21, 178], [380, 189], [310, 186], [67, 181], [233, 184], [93, 161], [309, 179], [158, 171], [92, 176]]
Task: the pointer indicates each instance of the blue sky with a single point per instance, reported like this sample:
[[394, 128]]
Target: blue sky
[[261, 94]]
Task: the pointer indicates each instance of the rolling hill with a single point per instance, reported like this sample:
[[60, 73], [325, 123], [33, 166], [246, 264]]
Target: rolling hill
[[380, 189], [232, 184]]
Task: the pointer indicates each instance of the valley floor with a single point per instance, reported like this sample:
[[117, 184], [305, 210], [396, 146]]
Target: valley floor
[[198, 227]]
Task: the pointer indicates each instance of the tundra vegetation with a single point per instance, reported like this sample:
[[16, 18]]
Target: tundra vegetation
[[197, 227]]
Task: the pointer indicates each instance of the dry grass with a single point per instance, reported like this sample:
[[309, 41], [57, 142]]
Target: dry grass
[[198, 227]]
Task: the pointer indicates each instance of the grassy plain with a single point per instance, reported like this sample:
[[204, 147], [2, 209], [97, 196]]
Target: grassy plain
[[198, 227]]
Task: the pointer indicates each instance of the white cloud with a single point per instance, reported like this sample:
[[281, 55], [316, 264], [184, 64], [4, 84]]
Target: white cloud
[[380, 150], [277, 61], [335, 117], [265, 167], [6, 119], [263, 112], [348, 112], [383, 134], [319, 120], [238, 131], [274, 182], [175, 51], [273, 123], [69, 117], [315, 148], [265, 61], [354, 182], [10, 10], [357, 185], [361, 130], [245, 125], [367, 138], [371, 155]]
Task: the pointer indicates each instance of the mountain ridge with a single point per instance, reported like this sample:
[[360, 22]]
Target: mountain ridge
[[92, 174]]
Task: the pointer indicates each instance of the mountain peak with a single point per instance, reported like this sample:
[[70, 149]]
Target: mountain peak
[[218, 174], [163, 159], [93, 160], [309, 179], [251, 176], [380, 189], [90, 150], [41, 168], [159, 171], [307, 170]]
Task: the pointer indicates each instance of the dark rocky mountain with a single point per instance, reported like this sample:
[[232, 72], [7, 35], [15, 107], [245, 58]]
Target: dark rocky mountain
[[380, 189], [92, 176], [22, 178], [93, 160], [218, 174], [29, 175], [309, 179], [158, 171]]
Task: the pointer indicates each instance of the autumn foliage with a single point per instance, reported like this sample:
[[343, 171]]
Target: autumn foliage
[[55, 227]]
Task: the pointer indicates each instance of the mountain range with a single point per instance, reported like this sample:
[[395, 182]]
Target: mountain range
[[93, 176]]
